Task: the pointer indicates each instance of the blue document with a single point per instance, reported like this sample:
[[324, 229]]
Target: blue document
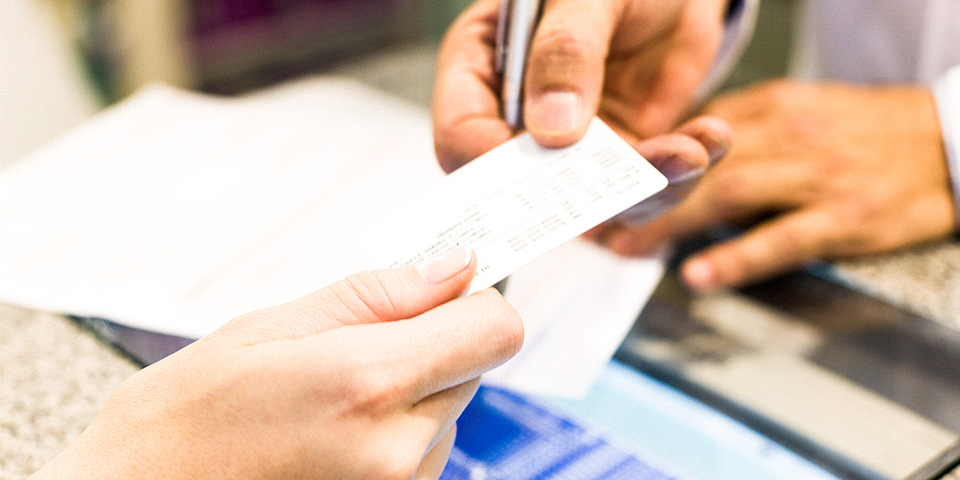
[[503, 435], [629, 426]]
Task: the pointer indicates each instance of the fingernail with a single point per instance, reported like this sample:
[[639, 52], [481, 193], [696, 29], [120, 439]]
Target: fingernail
[[717, 149], [556, 112], [699, 274], [678, 169], [447, 264]]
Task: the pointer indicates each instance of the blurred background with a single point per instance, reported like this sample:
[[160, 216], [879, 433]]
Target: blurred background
[[230, 46], [61, 60]]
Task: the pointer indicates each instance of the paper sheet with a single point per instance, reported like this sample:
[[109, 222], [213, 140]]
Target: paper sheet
[[175, 212], [578, 302]]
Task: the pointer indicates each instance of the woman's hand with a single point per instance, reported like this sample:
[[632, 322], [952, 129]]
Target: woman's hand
[[363, 379]]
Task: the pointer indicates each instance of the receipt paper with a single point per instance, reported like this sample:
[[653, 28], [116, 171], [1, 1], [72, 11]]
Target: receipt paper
[[518, 202]]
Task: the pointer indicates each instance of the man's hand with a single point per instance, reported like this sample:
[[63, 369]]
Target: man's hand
[[362, 379], [636, 63], [828, 171], [682, 156]]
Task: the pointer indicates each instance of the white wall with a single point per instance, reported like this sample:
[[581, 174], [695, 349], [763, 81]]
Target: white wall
[[42, 89]]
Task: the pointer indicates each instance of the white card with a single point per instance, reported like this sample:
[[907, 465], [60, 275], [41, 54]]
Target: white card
[[519, 201]]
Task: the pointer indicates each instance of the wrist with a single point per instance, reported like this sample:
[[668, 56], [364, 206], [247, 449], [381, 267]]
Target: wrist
[[83, 459], [120, 443]]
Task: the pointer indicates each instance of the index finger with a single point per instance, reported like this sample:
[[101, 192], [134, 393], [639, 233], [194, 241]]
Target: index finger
[[459, 341], [410, 360], [466, 106], [782, 244]]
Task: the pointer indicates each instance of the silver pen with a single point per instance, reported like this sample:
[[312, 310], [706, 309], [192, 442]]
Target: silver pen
[[517, 22]]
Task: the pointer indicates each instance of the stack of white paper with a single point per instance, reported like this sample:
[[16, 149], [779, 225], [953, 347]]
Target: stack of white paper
[[175, 212]]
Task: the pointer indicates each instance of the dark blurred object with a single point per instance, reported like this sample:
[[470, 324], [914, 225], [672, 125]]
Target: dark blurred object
[[864, 388], [768, 54], [232, 46], [241, 44], [143, 347]]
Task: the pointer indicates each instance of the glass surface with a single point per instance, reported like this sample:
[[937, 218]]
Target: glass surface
[[866, 389]]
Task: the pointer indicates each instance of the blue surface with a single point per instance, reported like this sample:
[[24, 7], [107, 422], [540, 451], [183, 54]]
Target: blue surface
[[629, 426], [502, 435]]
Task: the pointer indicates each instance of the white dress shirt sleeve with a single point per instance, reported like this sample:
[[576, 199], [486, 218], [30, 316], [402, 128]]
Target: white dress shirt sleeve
[[946, 93]]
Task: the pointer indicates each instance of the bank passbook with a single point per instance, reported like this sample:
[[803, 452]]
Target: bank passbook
[[517, 202]]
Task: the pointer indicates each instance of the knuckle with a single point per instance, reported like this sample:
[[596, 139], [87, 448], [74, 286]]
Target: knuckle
[[858, 210], [803, 128], [778, 92], [559, 52], [508, 332], [395, 461], [365, 293], [830, 169], [512, 332], [371, 391], [856, 220], [784, 246], [730, 190]]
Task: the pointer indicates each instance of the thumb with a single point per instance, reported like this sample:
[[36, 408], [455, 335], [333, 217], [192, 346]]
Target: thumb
[[399, 293], [365, 297], [565, 70]]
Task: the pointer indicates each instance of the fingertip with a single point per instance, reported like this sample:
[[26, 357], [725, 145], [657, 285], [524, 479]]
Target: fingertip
[[447, 265], [556, 118], [565, 71], [458, 142], [700, 274], [449, 163], [595, 233], [713, 132], [676, 155], [507, 331], [712, 124]]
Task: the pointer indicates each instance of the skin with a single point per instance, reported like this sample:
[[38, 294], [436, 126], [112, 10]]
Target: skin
[[363, 379], [683, 156], [818, 171], [636, 64]]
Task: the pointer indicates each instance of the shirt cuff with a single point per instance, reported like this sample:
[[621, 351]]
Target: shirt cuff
[[946, 94], [733, 8], [739, 23]]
